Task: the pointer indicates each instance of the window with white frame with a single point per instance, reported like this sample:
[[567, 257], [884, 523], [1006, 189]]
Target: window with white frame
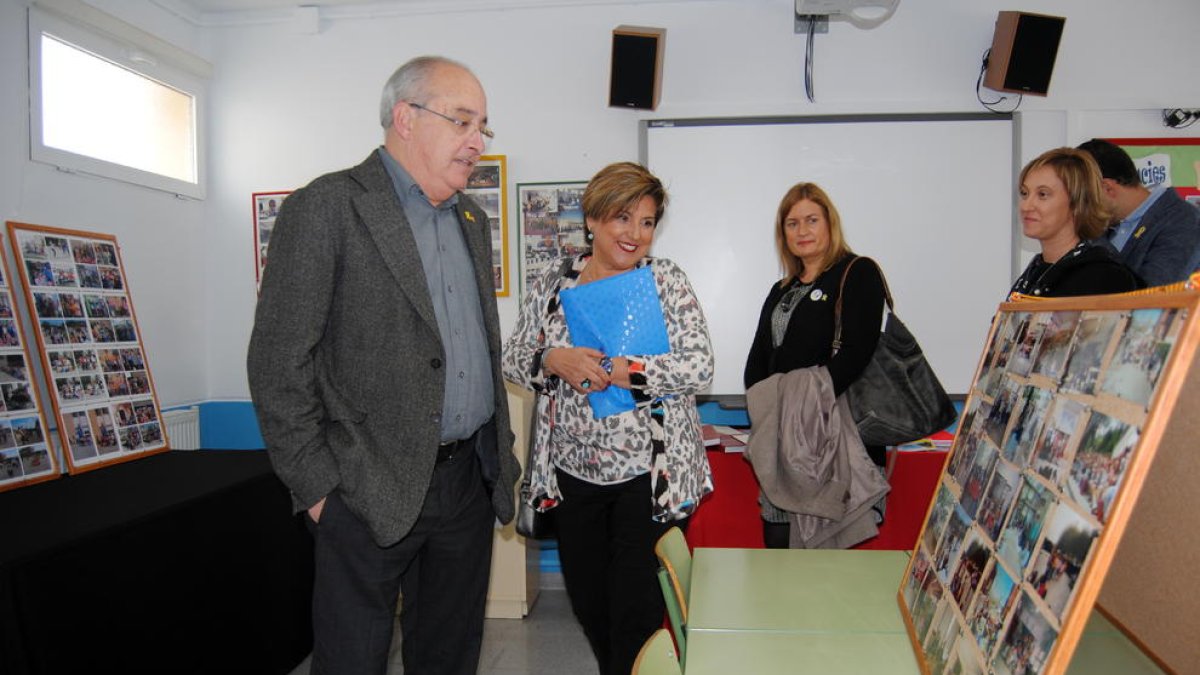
[[112, 101]]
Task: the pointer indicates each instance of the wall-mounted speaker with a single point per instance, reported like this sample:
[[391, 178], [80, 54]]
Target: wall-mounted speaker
[[636, 77], [1024, 48]]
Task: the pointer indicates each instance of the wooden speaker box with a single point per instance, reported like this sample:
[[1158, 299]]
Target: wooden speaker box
[[1024, 49], [637, 56]]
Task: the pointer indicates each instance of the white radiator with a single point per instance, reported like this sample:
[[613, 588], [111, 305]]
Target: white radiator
[[183, 428]]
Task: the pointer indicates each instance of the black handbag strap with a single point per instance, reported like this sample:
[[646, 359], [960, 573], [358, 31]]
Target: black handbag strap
[[837, 307]]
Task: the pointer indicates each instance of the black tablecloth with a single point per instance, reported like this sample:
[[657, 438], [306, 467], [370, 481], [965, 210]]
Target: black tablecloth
[[184, 562]]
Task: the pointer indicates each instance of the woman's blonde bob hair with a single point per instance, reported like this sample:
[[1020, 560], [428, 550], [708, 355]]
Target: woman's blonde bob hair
[[1080, 175], [620, 186], [792, 265]]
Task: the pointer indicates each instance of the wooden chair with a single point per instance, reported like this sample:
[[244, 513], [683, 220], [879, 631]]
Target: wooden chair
[[657, 656], [675, 579]]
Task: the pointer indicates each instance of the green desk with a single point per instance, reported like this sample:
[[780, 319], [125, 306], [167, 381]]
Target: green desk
[[768, 653], [810, 591]]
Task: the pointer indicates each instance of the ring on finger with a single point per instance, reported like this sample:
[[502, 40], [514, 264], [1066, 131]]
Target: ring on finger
[[586, 383]]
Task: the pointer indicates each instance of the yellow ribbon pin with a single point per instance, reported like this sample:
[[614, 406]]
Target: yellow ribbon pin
[[469, 216]]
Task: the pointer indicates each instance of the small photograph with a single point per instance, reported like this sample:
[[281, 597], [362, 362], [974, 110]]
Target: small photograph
[[93, 387], [6, 435], [39, 273], [105, 432], [106, 254], [1091, 344], [54, 331], [965, 658], [110, 360], [130, 438], [976, 554], [123, 328], [117, 384], [58, 248], [974, 406], [32, 245], [8, 334], [143, 411], [1027, 643], [85, 360], [941, 639], [35, 459], [1027, 340], [118, 306], [96, 305], [70, 389], [72, 306], [10, 466], [1024, 526], [484, 176], [1025, 430], [138, 381], [61, 363], [16, 396], [64, 275], [1016, 324], [89, 276], [12, 368], [945, 559], [1064, 551], [489, 200], [998, 499], [131, 359], [1147, 342], [929, 595], [151, 434], [977, 478], [125, 415], [996, 595], [79, 433], [1053, 454], [1002, 407], [964, 457], [47, 305], [77, 332], [83, 251], [102, 331], [912, 581], [27, 430], [942, 507], [6, 311], [1104, 451], [1057, 331], [110, 278]]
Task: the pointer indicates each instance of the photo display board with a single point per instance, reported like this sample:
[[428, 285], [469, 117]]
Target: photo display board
[[25, 455], [1062, 422], [551, 225], [90, 344], [266, 208], [488, 186]]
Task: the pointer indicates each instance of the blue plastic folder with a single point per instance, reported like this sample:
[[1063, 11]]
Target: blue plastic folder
[[620, 316]]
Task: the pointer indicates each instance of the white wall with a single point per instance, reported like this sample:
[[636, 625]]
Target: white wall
[[162, 238], [288, 104]]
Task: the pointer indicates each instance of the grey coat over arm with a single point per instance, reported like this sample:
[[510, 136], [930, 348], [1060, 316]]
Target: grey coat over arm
[[346, 364]]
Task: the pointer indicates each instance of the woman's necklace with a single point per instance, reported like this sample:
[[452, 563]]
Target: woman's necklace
[[1034, 287]]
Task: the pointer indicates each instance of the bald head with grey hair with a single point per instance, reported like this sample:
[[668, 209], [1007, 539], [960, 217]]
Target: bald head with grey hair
[[410, 82]]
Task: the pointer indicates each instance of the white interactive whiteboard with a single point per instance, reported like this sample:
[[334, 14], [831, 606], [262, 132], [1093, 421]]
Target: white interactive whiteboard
[[930, 197]]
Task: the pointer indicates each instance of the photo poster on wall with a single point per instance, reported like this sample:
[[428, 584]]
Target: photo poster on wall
[[551, 225], [1060, 427], [488, 186], [1171, 162], [266, 207], [90, 344], [26, 456]]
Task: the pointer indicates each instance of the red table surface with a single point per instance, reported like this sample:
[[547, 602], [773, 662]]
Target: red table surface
[[729, 517]]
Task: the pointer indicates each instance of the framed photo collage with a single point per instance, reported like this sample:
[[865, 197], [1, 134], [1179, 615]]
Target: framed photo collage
[[91, 351], [1059, 430]]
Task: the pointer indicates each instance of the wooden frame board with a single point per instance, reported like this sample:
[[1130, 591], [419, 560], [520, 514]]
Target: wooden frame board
[[1070, 402], [26, 455], [488, 186], [90, 345]]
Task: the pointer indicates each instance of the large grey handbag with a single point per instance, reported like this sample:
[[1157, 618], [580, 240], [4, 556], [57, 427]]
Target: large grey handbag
[[897, 398]]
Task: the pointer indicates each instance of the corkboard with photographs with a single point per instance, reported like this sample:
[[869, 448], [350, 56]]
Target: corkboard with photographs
[[1060, 427], [551, 225], [487, 185], [266, 208], [25, 451], [90, 345]]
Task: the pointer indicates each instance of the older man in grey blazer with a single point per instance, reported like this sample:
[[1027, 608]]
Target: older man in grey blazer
[[375, 371]]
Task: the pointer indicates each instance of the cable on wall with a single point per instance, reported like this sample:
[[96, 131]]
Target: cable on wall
[[979, 89], [808, 59], [1179, 118]]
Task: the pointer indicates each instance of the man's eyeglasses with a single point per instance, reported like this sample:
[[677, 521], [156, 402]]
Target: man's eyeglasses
[[463, 125]]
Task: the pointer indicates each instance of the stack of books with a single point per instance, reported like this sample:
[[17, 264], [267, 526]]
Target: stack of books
[[729, 439]]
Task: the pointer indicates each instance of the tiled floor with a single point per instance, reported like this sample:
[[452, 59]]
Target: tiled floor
[[547, 642]]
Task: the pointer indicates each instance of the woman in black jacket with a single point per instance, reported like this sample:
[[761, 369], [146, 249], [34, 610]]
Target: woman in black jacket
[[796, 326]]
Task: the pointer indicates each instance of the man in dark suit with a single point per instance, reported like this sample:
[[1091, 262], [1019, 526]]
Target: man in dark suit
[[375, 371], [1154, 230]]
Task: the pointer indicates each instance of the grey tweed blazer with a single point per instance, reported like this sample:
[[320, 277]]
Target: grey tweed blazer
[[346, 362]]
